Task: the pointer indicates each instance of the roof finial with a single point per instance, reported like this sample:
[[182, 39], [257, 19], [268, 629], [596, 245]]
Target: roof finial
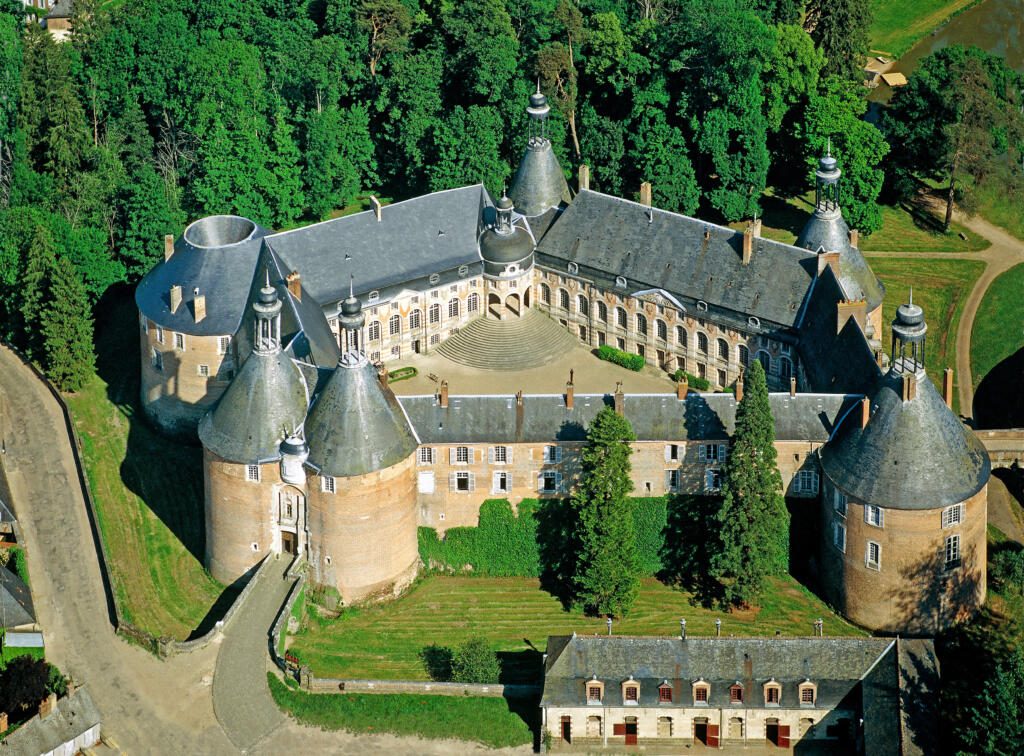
[[828, 149], [911, 295], [538, 84], [351, 284], [267, 271]]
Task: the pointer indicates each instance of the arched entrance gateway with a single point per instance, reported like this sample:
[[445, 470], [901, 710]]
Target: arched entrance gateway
[[290, 506], [494, 305], [513, 306]]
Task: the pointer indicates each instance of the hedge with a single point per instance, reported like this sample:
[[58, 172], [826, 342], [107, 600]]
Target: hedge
[[400, 374], [695, 382], [505, 544], [623, 359]]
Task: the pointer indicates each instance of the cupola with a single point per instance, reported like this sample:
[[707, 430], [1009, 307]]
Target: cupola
[[294, 453], [539, 184]]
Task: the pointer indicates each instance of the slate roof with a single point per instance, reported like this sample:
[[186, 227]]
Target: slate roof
[[827, 230], [72, 716], [836, 665], [608, 237], [539, 184], [912, 455], [215, 255], [61, 9], [356, 426], [654, 417], [415, 238], [16, 607]]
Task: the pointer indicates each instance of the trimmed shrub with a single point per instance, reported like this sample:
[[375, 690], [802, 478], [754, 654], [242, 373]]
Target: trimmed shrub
[[622, 359], [475, 662], [696, 383], [400, 374]]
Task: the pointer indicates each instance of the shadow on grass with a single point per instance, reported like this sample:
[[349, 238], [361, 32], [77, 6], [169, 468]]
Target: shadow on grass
[[527, 708], [220, 607], [998, 402]]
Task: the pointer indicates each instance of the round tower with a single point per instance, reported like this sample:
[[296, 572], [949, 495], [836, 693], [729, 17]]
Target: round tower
[[904, 503], [539, 184], [506, 247], [190, 308], [362, 499], [253, 454]]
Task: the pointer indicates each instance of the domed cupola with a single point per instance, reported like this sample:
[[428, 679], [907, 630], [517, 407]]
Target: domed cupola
[[294, 453], [909, 451], [539, 184], [356, 426], [267, 399], [827, 231], [507, 245]]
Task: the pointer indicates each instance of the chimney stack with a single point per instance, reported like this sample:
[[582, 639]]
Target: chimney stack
[[646, 194], [739, 388], [294, 281], [569, 395], [383, 375], [855, 238], [909, 386], [792, 386], [46, 705], [168, 246], [947, 387], [443, 397], [828, 260], [620, 399], [756, 228], [682, 388], [376, 207], [879, 357], [199, 307], [584, 181], [865, 412], [175, 298], [856, 309], [748, 244], [519, 398], [3, 721]]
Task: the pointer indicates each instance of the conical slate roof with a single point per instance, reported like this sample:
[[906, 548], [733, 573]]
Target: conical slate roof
[[912, 454], [356, 425], [828, 231], [539, 184], [266, 401]]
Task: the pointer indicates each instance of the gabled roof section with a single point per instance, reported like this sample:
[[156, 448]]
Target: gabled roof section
[[16, 607], [829, 232], [413, 239], [73, 716], [656, 249]]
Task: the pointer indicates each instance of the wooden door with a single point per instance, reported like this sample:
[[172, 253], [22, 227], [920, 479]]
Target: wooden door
[[631, 733], [784, 740], [713, 736], [567, 729]]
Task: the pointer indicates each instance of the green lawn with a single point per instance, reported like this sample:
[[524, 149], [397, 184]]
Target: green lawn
[[1002, 207], [907, 228], [148, 490], [896, 26], [940, 287], [999, 326], [483, 720], [385, 641]]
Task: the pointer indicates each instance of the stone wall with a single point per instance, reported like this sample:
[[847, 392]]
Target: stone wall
[[417, 687]]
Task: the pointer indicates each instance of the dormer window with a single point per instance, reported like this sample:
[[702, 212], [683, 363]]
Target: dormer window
[[373, 296], [772, 693], [701, 693], [808, 693], [736, 694], [434, 278], [702, 306], [631, 692], [573, 268], [665, 693], [753, 322], [595, 691], [620, 282], [463, 270]]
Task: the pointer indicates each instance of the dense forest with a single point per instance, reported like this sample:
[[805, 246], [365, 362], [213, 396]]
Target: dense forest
[[157, 112]]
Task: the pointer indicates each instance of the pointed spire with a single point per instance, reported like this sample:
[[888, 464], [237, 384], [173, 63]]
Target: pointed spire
[[828, 149], [911, 295]]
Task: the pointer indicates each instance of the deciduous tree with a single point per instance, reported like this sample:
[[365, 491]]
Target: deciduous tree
[[840, 29]]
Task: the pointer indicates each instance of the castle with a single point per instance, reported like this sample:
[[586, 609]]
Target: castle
[[268, 343]]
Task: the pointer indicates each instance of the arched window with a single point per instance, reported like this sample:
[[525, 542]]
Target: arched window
[[583, 305], [602, 312], [414, 319], [785, 368], [662, 329], [765, 359], [702, 343], [681, 337], [394, 325], [641, 323], [473, 303], [453, 307], [563, 299], [434, 313], [373, 332], [621, 318], [744, 356], [545, 294], [723, 349]]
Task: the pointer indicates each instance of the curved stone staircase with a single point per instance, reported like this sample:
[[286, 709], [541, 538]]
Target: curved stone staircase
[[490, 344]]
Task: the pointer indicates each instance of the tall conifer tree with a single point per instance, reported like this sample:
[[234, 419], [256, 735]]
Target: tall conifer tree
[[752, 524], [67, 330], [608, 573], [37, 272]]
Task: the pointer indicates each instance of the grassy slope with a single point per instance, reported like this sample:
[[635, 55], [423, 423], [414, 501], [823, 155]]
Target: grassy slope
[[148, 490], [897, 25], [484, 720], [516, 617], [999, 326], [940, 287], [1003, 208], [903, 229]]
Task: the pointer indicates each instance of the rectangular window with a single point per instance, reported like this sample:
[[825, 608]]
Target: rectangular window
[[252, 473], [158, 360], [672, 480], [425, 481], [499, 455], [463, 482], [712, 453], [327, 484], [549, 482], [462, 455], [552, 455], [807, 695], [839, 502], [953, 551], [713, 480], [632, 694], [700, 694], [873, 515], [953, 515], [672, 452], [735, 694], [771, 696], [502, 483], [179, 341], [594, 693], [873, 556], [806, 482], [223, 342], [426, 455], [665, 695], [839, 536], [159, 335], [203, 370]]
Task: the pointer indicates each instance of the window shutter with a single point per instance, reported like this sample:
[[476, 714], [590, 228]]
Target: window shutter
[[668, 480], [881, 518], [558, 482], [815, 482], [668, 453], [453, 483], [702, 453], [508, 482], [508, 456], [472, 482], [709, 480], [558, 454], [490, 454], [452, 455], [540, 482], [723, 452]]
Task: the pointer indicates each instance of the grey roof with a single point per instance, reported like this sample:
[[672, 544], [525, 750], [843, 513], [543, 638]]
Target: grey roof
[[413, 239], [836, 665], [653, 248], [15, 601], [72, 716], [539, 184], [61, 9], [267, 399], [654, 417], [23, 640], [912, 455], [6, 513], [506, 248], [215, 255], [356, 425], [834, 359], [827, 230]]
